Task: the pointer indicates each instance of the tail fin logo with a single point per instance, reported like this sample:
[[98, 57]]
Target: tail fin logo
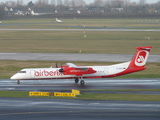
[[141, 58]]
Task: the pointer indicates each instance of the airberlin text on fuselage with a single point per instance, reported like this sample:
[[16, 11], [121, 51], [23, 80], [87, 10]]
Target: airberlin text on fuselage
[[47, 73]]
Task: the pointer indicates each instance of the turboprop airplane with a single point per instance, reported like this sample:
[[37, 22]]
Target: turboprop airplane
[[58, 21], [72, 71]]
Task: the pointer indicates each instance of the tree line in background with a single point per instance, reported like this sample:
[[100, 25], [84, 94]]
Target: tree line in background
[[79, 8]]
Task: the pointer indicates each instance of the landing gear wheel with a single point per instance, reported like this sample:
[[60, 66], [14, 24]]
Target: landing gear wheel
[[76, 80], [18, 82], [82, 82]]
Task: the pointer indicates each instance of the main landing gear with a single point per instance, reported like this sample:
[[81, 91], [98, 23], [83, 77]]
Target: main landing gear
[[18, 81], [81, 82], [76, 80]]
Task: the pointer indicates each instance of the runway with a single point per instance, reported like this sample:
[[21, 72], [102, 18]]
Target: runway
[[67, 85], [74, 57], [60, 109]]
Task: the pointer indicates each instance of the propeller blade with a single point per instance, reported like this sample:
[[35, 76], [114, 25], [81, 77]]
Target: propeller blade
[[61, 70], [56, 65]]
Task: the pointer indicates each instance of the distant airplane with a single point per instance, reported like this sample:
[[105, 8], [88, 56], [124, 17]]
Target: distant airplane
[[59, 21], [72, 71]]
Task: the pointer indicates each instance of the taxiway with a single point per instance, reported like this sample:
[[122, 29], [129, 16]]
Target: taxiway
[[74, 57], [100, 29], [58, 109]]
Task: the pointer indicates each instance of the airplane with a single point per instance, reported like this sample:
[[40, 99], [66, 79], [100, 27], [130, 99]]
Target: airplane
[[58, 21], [72, 71]]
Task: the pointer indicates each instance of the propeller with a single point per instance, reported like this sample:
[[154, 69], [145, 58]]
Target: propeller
[[61, 70], [56, 65]]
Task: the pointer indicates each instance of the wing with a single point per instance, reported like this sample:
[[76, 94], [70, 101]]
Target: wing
[[77, 67]]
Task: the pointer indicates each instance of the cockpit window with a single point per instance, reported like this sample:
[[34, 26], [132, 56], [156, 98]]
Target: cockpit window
[[22, 71]]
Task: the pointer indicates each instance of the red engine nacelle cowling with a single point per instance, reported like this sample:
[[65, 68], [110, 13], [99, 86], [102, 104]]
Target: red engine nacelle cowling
[[78, 71]]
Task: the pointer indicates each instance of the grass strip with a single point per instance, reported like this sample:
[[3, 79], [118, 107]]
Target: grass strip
[[124, 97], [125, 90], [117, 42], [88, 96]]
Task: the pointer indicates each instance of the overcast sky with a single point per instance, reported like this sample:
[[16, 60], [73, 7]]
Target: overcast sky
[[87, 1]]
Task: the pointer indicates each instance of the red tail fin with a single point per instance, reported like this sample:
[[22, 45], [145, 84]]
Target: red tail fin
[[140, 58]]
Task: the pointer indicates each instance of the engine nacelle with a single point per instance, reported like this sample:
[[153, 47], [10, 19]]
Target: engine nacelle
[[77, 71]]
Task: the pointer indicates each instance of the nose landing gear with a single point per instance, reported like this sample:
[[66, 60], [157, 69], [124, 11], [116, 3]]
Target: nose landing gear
[[18, 81]]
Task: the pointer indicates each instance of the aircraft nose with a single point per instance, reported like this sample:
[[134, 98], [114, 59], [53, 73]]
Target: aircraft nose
[[13, 77]]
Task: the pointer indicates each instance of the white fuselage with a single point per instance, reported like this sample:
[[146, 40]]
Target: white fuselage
[[53, 73]]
